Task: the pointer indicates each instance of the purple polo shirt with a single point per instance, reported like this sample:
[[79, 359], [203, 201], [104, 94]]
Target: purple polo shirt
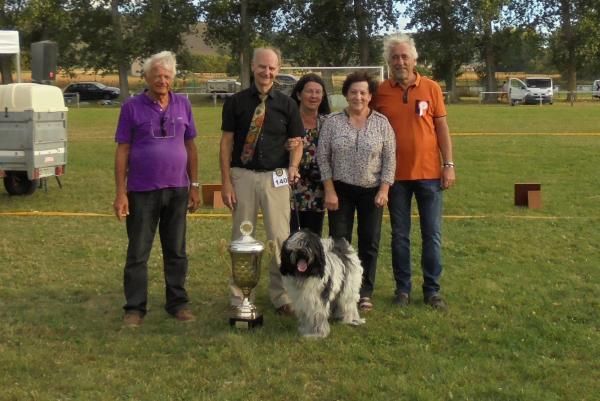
[[157, 156]]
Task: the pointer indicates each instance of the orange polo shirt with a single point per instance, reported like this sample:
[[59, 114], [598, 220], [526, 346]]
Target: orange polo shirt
[[411, 114]]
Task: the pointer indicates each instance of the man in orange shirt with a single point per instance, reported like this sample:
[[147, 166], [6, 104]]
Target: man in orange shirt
[[414, 105]]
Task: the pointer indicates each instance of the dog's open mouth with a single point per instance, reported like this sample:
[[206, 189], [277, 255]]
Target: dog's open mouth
[[302, 265]]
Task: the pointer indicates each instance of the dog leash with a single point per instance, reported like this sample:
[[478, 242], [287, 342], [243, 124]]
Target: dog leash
[[295, 203]]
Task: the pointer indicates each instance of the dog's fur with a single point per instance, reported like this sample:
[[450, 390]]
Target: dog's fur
[[322, 278]]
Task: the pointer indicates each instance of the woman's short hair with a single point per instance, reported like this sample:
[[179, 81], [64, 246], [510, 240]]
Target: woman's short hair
[[299, 87], [164, 59], [359, 76], [396, 39]]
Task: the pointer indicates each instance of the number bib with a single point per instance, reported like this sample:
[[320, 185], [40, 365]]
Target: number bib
[[280, 178]]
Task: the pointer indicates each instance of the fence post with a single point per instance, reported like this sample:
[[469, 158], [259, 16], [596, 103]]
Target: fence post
[[572, 97]]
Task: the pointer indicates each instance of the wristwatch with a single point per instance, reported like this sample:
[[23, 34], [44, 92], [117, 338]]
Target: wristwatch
[[195, 185]]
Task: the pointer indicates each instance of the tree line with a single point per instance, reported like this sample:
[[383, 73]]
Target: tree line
[[561, 36]]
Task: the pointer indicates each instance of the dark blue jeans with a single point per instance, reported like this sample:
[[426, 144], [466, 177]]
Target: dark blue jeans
[[428, 194], [167, 209], [361, 200]]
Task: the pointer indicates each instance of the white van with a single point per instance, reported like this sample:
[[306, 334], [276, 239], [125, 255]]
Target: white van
[[596, 89], [535, 90]]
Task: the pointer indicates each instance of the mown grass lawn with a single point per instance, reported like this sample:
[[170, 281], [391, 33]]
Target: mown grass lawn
[[522, 285]]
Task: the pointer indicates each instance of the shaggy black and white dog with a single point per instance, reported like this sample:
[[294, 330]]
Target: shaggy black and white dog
[[322, 278]]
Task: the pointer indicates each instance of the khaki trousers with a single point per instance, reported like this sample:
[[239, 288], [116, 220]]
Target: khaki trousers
[[255, 190]]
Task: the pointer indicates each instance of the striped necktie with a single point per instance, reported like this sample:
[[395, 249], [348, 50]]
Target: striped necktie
[[255, 129]]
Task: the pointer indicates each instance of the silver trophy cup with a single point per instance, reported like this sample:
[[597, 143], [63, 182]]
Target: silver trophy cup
[[246, 253]]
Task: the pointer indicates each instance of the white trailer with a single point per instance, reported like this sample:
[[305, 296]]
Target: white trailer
[[33, 135], [33, 129], [223, 86]]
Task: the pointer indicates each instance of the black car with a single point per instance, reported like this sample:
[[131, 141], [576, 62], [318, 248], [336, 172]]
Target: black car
[[93, 91], [285, 83]]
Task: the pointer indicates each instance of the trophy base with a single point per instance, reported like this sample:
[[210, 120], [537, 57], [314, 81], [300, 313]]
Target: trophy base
[[243, 323]]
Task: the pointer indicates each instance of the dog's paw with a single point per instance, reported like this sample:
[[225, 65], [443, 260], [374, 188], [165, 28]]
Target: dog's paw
[[314, 336], [354, 322]]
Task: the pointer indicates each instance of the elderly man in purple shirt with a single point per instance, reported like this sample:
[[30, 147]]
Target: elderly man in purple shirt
[[156, 175]]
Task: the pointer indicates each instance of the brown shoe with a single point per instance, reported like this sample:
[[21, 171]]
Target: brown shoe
[[184, 315], [133, 319], [401, 299], [285, 310], [436, 302]]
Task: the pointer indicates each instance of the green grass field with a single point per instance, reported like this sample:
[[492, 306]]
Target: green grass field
[[523, 322]]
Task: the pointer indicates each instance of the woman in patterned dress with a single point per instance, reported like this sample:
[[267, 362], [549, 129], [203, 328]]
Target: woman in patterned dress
[[307, 210], [357, 160]]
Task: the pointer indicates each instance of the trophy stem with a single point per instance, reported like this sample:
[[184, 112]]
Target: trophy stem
[[246, 310]]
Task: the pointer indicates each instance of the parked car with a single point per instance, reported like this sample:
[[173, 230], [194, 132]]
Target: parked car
[[285, 83], [93, 91]]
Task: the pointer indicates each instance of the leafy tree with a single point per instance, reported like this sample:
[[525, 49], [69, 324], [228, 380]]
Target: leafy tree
[[203, 62], [335, 32], [590, 44], [105, 42], [521, 49], [114, 33], [486, 16], [36, 20], [324, 32], [163, 23], [237, 26], [109, 34], [563, 19], [444, 37], [318, 33]]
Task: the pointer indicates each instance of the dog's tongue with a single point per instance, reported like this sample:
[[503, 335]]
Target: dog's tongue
[[302, 266]]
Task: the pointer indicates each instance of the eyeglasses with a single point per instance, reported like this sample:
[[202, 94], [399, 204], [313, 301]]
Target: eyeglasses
[[163, 131], [166, 128]]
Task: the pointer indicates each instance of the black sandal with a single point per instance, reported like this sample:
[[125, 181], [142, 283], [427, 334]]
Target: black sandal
[[365, 304]]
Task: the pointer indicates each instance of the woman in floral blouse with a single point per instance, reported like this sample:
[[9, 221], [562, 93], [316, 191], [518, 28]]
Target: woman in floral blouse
[[357, 160], [307, 208]]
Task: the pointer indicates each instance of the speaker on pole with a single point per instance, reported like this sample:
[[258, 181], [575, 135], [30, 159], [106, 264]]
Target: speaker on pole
[[43, 61]]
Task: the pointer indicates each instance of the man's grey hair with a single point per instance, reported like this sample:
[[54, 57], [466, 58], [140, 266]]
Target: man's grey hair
[[394, 40], [164, 59], [268, 48]]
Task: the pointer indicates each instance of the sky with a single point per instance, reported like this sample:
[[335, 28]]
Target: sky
[[401, 27]]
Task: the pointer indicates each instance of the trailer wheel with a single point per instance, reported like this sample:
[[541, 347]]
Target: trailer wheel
[[17, 183]]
